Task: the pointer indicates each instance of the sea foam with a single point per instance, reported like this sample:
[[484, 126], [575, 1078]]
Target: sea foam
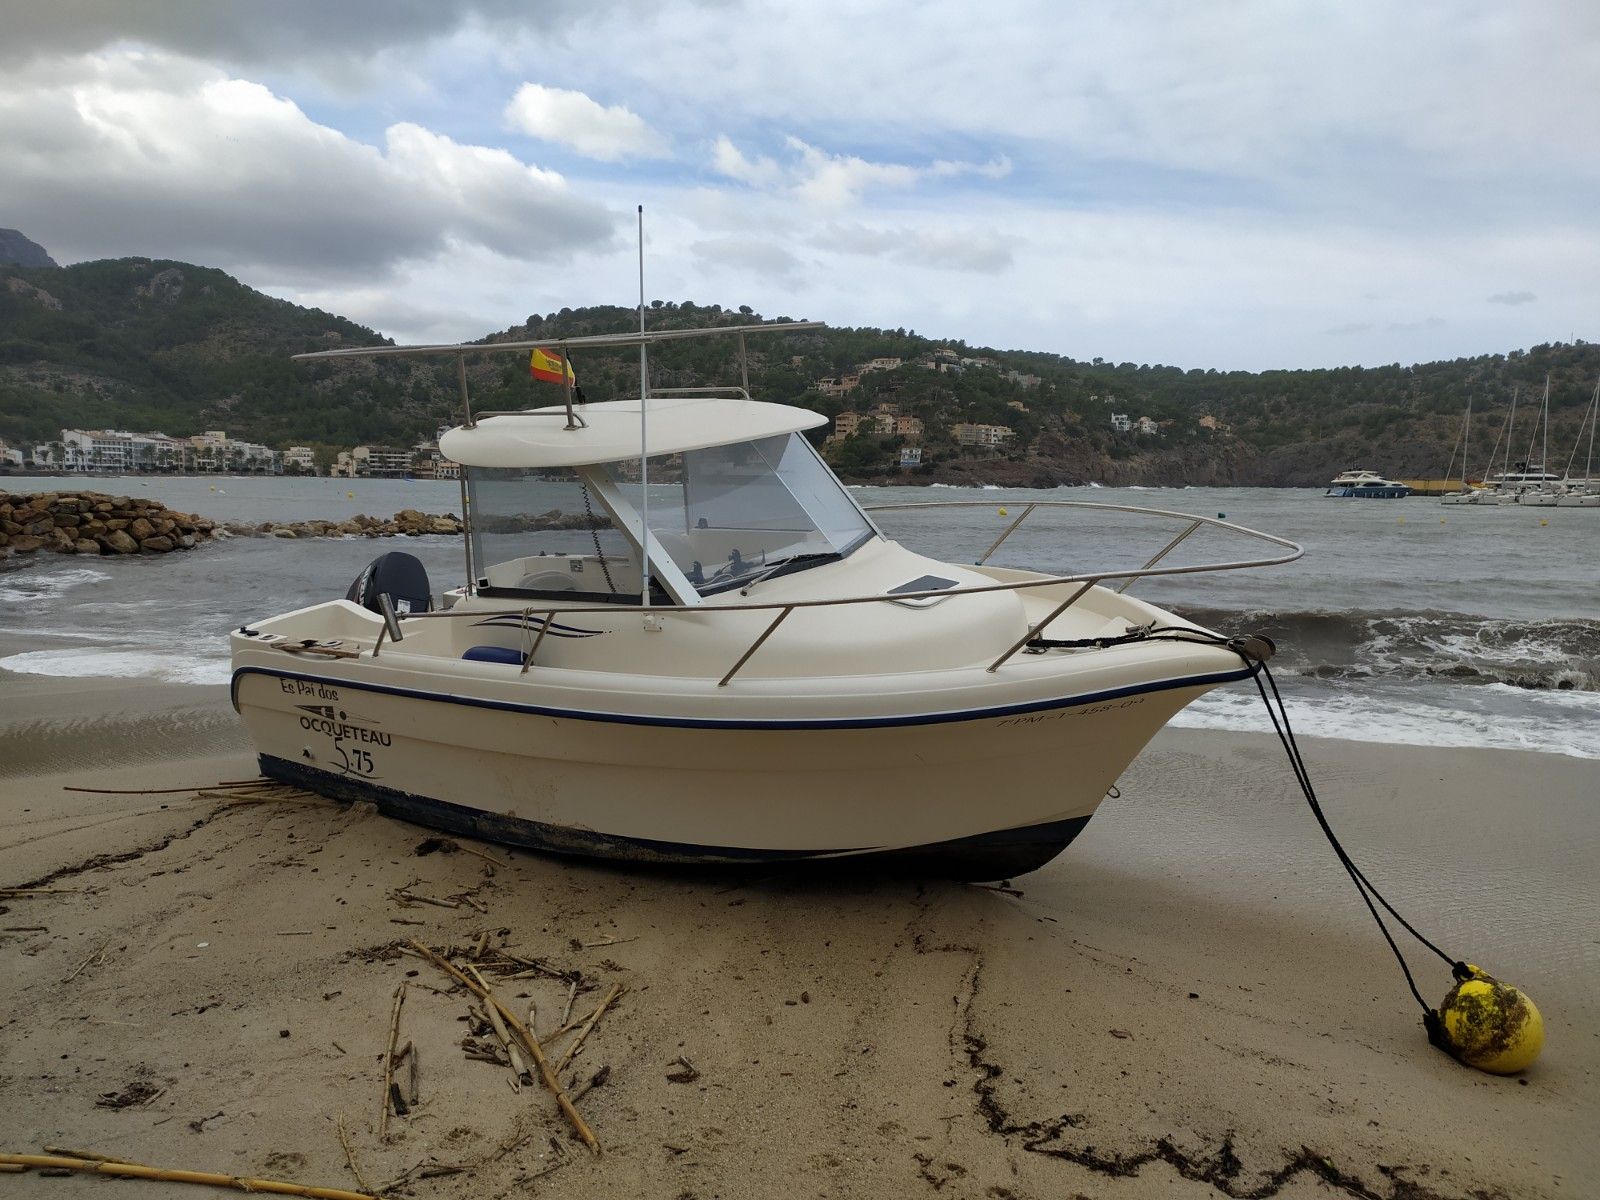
[[89, 662]]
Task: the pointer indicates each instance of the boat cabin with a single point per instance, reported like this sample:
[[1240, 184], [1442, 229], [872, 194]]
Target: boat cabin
[[730, 492]]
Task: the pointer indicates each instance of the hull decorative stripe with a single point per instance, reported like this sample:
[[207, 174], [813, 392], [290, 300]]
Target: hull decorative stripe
[[934, 718], [554, 628]]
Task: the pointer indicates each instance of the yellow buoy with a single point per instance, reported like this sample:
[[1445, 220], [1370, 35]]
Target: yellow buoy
[[1543, 523], [1004, 513], [1402, 521], [349, 495], [1491, 1025]]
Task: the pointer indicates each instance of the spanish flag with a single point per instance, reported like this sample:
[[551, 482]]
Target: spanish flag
[[551, 368]]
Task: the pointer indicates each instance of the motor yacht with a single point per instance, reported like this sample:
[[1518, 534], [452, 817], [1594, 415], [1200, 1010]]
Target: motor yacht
[[731, 662], [1366, 485]]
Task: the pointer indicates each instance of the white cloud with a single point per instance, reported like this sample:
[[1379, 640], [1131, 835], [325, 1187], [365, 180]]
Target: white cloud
[[833, 182], [727, 159], [573, 119], [246, 31], [147, 153]]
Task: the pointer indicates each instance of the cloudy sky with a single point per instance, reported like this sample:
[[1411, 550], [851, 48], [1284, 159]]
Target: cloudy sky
[[1244, 183]]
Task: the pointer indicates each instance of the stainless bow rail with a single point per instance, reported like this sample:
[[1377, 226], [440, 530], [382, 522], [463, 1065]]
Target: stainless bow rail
[[781, 609]]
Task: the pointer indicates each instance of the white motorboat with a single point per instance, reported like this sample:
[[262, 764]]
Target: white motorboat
[[1366, 485], [731, 664]]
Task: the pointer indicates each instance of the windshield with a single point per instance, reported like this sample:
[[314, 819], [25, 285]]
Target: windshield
[[736, 513], [544, 533]]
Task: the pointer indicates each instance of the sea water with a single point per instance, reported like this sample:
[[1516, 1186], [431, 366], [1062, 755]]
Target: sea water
[[1406, 621]]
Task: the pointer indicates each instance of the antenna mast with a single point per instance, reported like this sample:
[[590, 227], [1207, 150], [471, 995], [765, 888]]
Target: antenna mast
[[644, 457]]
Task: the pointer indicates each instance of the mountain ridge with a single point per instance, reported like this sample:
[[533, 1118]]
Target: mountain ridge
[[159, 344]]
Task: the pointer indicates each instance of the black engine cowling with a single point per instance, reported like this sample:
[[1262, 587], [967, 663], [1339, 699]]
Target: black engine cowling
[[400, 576]]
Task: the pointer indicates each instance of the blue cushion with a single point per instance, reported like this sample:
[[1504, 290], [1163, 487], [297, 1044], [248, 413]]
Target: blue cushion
[[494, 654]]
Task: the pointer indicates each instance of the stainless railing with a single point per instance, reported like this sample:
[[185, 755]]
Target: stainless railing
[[1087, 579]]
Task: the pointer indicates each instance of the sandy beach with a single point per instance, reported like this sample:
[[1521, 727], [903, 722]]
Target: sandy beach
[[1190, 1002]]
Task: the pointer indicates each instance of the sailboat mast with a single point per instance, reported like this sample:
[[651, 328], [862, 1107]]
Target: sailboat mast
[[1511, 431], [1594, 419], [1544, 457], [1466, 435]]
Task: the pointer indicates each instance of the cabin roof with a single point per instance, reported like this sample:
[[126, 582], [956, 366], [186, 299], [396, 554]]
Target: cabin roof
[[540, 437]]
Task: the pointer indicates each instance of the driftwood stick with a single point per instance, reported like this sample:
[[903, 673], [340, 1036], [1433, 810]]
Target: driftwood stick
[[525, 1037], [90, 1155], [388, 1059], [19, 893], [598, 1079], [163, 791], [488, 858], [98, 956], [572, 994], [350, 1156], [167, 1175], [519, 1065], [616, 990]]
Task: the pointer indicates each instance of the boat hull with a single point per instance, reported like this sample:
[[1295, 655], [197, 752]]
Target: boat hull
[[1369, 493], [978, 794]]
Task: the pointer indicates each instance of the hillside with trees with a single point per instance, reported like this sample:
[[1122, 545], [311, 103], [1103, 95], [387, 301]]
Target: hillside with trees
[[156, 345]]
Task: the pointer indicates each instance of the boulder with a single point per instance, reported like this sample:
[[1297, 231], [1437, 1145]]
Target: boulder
[[67, 520], [139, 529], [284, 532], [155, 545], [86, 546], [186, 541], [117, 524], [39, 526], [25, 543], [119, 542]]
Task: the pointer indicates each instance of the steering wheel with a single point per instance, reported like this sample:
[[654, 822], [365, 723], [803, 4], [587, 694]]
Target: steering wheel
[[735, 564]]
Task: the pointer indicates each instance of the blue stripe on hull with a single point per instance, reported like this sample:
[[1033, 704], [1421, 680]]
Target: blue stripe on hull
[[1004, 710], [994, 855]]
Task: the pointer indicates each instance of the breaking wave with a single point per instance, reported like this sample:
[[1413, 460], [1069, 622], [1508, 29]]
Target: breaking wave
[[23, 586], [1554, 655]]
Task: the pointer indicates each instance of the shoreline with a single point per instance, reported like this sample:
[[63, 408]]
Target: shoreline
[[870, 1036]]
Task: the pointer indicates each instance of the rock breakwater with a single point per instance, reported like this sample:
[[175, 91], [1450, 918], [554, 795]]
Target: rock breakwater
[[95, 523]]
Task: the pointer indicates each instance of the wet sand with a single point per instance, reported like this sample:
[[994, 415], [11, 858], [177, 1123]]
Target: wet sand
[[1190, 1002]]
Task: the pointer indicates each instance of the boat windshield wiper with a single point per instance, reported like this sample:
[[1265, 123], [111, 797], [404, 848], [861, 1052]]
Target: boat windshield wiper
[[795, 562]]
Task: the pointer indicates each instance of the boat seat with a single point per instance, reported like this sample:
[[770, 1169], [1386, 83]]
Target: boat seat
[[547, 581], [495, 654]]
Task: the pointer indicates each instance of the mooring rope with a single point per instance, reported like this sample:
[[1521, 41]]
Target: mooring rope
[[1254, 652]]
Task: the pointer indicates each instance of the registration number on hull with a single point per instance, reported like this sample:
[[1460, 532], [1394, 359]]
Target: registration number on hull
[[352, 737]]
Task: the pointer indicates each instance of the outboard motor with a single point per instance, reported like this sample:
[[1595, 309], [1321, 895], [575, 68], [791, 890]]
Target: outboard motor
[[397, 574]]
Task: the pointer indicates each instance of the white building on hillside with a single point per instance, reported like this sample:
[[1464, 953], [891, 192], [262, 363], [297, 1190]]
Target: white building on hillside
[[982, 435]]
